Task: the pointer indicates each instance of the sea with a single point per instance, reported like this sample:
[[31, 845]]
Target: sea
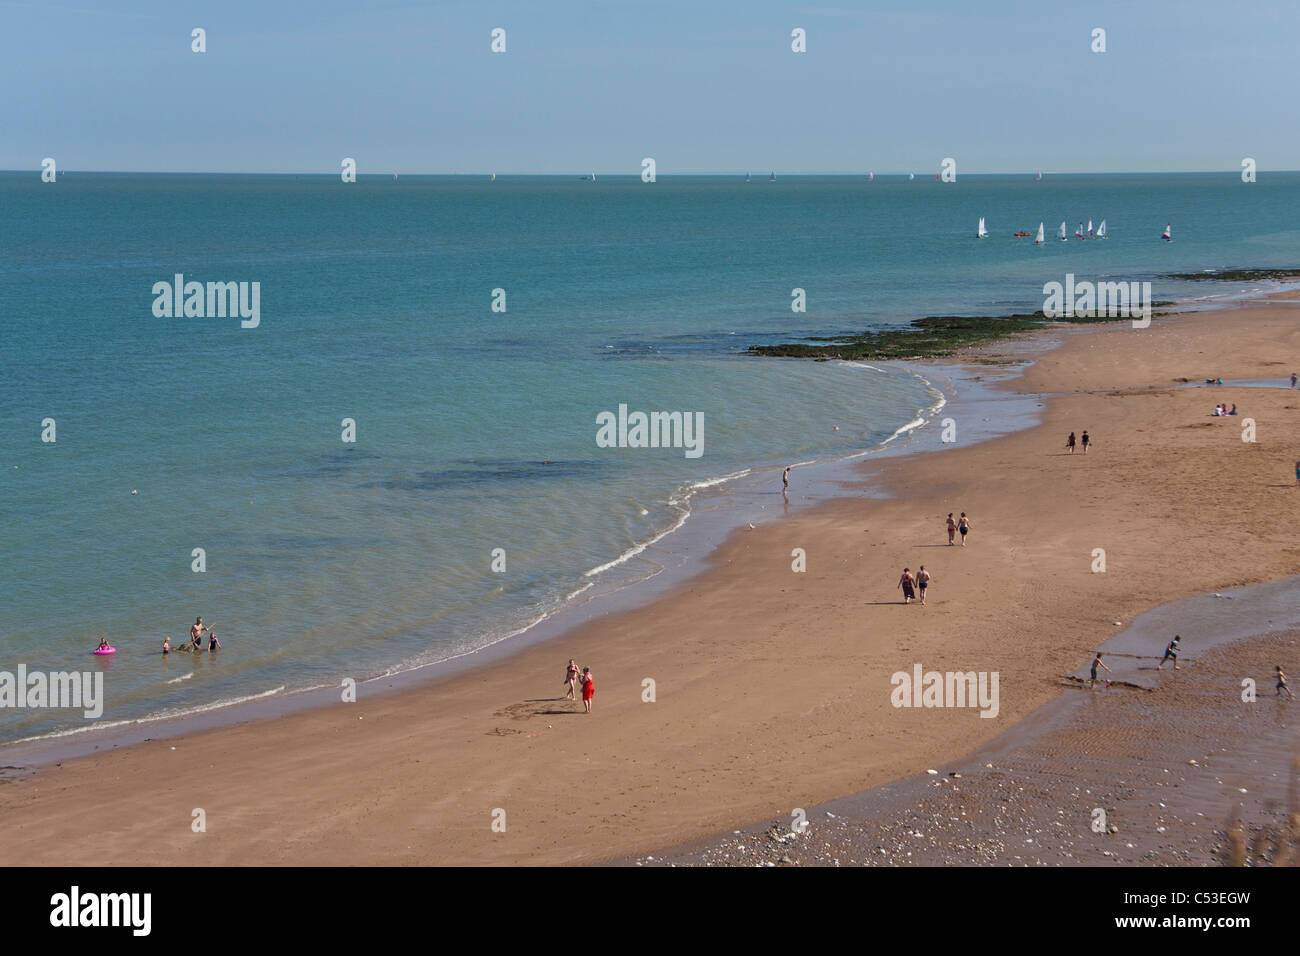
[[399, 464]]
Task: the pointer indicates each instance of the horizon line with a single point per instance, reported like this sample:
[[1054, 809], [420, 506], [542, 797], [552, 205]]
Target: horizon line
[[637, 175]]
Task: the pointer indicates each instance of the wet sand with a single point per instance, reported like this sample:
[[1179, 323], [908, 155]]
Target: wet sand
[[772, 688]]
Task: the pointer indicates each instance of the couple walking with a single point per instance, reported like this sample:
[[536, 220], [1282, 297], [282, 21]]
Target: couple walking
[[962, 525], [911, 585], [588, 680]]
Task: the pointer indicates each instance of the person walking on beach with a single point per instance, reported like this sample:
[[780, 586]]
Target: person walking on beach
[[905, 582], [1281, 683], [1085, 441], [922, 582], [1293, 379], [588, 688], [1170, 651], [1069, 443], [571, 679], [952, 525], [1096, 662], [963, 526]]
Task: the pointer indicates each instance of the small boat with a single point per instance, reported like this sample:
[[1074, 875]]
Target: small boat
[[1061, 234], [772, 178], [1038, 178], [1101, 230], [911, 176], [1038, 239], [747, 178], [871, 177], [1078, 233], [1167, 235], [1022, 235], [981, 232], [494, 177], [1089, 228], [593, 177]]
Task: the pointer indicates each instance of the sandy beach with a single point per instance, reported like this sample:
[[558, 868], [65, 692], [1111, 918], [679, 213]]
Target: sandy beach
[[772, 688]]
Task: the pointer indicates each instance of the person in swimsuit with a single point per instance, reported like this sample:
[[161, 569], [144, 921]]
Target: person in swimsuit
[[905, 582], [196, 634], [952, 525], [785, 480], [922, 581], [1085, 441], [588, 688], [213, 643], [1096, 662], [571, 678], [1069, 443], [167, 645], [963, 526], [103, 643], [1281, 683], [1170, 651], [1294, 379]]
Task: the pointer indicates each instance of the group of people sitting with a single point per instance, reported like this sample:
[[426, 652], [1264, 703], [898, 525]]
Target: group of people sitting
[[1223, 409]]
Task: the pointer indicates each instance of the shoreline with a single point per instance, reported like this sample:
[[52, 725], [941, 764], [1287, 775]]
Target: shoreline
[[703, 672], [673, 555]]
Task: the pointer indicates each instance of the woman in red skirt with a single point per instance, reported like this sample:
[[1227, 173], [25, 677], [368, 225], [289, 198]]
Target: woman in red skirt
[[588, 688]]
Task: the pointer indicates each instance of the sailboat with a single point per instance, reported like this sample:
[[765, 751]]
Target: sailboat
[[1167, 236], [593, 177], [494, 177], [1101, 230], [871, 177], [1038, 239], [911, 176], [1038, 178], [1078, 233], [772, 178], [981, 232], [1062, 233], [747, 178], [1089, 228]]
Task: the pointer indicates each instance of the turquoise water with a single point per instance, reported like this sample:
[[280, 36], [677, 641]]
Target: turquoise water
[[475, 429]]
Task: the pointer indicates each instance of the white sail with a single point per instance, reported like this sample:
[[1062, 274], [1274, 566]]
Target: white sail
[[1063, 239], [1038, 239], [1078, 233], [911, 176], [1101, 230], [1090, 227], [981, 232], [1167, 234], [870, 176]]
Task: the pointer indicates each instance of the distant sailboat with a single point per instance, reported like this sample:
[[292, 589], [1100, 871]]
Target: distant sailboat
[[747, 178], [870, 177], [1167, 235], [1062, 233], [1038, 178], [1101, 230], [1038, 239], [911, 176], [1078, 233], [1089, 228], [593, 177], [772, 178], [981, 232], [494, 177]]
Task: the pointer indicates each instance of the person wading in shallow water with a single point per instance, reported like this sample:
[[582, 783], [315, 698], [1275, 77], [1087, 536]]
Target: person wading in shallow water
[[1171, 651]]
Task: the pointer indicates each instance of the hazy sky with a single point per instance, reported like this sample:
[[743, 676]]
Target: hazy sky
[[701, 86]]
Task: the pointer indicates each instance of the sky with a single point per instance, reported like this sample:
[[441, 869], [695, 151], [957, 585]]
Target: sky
[[698, 85]]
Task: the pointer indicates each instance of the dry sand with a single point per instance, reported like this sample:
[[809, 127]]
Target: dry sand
[[772, 687]]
